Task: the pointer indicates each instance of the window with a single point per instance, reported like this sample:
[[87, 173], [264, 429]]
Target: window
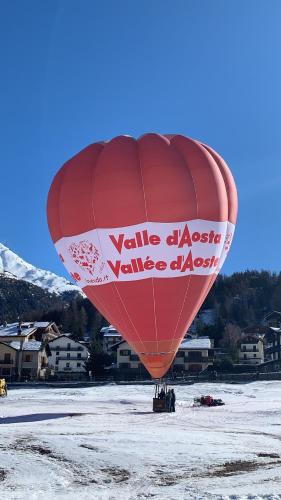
[[78, 365], [27, 358], [255, 355], [243, 348], [57, 353], [194, 355], [68, 346], [245, 356], [134, 357], [125, 352], [254, 348], [180, 354], [57, 361], [68, 355], [67, 365], [7, 357], [79, 355], [195, 368]]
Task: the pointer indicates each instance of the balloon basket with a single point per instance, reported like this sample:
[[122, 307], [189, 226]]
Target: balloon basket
[[160, 402]]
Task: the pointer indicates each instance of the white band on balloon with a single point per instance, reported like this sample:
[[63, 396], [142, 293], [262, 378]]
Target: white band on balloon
[[148, 250]]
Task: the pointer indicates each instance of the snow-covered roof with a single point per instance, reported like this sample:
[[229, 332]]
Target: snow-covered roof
[[200, 343], [67, 336], [114, 346], [42, 324], [32, 345], [273, 313], [11, 330], [112, 334], [109, 330]]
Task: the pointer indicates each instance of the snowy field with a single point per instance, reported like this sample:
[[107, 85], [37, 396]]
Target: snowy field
[[105, 443]]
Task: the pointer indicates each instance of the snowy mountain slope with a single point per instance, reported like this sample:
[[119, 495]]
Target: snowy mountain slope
[[14, 266]]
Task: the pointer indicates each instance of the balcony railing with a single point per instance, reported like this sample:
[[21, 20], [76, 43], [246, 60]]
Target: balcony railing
[[249, 350], [65, 349], [71, 358], [203, 359], [6, 362], [67, 369]]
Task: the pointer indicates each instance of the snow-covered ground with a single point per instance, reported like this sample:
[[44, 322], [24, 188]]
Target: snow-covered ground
[[105, 443]]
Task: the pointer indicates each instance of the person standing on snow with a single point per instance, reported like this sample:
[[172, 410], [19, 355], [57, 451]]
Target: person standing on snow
[[162, 394], [173, 401], [168, 400]]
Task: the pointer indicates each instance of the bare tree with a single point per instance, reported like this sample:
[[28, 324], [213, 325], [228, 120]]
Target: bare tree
[[231, 336]]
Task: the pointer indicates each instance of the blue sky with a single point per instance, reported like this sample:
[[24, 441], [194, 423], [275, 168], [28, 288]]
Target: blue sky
[[75, 72]]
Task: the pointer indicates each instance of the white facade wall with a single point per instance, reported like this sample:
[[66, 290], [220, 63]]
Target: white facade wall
[[251, 353], [68, 356], [124, 353]]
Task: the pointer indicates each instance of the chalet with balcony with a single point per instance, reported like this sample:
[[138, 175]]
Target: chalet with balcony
[[272, 344], [273, 319], [24, 360], [251, 349], [273, 336], [68, 358], [193, 356], [110, 336]]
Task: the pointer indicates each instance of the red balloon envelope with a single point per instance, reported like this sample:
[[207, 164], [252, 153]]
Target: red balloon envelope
[[144, 226]]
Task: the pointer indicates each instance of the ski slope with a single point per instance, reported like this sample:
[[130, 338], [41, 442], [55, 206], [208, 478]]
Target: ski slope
[[105, 443]]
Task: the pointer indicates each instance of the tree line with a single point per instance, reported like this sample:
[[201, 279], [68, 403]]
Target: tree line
[[239, 300]]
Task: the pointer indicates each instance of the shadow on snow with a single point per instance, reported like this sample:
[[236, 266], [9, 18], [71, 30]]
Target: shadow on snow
[[36, 417]]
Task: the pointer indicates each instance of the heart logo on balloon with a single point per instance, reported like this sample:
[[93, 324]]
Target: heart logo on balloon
[[85, 254]]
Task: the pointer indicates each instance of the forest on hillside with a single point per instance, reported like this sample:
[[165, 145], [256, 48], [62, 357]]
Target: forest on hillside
[[239, 300]]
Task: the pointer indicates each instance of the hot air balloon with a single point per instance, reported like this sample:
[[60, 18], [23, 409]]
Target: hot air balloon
[[144, 226]]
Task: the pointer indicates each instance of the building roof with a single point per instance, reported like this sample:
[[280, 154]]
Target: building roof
[[273, 314], [250, 339], [27, 327], [68, 338], [112, 334], [42, 324], [187, 343], [199, 343], [109, 330], [32, 345], [114, 346], [11, 330]]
